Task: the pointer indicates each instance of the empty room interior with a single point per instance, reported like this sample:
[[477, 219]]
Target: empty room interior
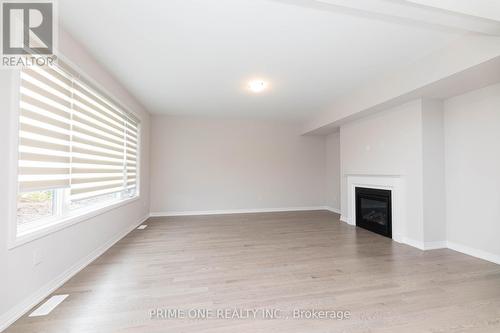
[[250, 166]]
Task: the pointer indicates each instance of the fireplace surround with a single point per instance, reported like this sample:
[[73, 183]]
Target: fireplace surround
[[393, 183]]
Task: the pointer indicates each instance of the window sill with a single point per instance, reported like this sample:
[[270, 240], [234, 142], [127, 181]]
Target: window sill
[[65, 222]]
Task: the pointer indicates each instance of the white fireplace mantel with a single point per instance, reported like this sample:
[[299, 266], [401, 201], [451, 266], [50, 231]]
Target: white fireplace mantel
[[393, 183]]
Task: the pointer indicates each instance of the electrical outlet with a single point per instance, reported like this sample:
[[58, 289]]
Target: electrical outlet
[[37, 257]]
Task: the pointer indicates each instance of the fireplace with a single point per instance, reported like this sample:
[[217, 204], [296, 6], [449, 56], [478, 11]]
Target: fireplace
[[373, 210]]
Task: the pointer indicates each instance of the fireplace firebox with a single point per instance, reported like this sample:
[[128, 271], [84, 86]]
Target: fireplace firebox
[[373, 210]]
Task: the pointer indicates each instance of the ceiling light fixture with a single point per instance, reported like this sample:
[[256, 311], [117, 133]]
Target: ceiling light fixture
[[257, 86]]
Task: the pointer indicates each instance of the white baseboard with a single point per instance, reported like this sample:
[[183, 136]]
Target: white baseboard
[[344, 219], [474, 252], [27, 304], [435, 245], [413, 243], [236, 211], [333, 210], [424, 246]]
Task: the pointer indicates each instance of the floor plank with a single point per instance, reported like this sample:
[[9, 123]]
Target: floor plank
[[274, 261]]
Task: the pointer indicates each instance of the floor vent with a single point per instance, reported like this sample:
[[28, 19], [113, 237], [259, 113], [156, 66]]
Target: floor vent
[[48, 306]]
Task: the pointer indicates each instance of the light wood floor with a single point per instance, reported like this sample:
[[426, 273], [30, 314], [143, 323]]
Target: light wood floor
[[285, 261]]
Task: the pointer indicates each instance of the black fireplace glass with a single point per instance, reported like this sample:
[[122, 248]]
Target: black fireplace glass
[[373, 210]]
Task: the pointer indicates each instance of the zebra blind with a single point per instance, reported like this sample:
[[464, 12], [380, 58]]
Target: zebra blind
[[132, 142], [44, 130], [72, 136]]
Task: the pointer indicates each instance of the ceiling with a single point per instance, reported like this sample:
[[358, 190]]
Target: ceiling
[[489, 9], [194, 57]]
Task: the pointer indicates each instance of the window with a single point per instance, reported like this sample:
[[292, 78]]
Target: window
[[33, 206], [78, 150]]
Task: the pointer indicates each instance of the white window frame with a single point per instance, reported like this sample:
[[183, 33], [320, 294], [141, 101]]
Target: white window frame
[[53, 225]]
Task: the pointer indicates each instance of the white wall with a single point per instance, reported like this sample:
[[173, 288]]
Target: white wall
[[433, 173], [207, 164], [472, 159], [387, 143], [332, 180], [20, 281]]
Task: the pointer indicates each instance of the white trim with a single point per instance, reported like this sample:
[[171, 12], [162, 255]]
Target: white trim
[[344, 219], [28, 303], [13, 158], [65, 222], [333, 210], [236, 211], [424, 246], [413, 243], [435, 245], [488, 256]]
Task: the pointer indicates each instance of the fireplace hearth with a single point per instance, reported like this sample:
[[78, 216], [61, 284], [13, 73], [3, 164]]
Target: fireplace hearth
[[373, 210]]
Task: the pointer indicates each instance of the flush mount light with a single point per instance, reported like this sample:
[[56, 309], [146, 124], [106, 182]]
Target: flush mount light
[[257, 86]]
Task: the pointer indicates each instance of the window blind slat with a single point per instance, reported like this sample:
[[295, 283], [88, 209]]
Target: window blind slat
[[88, 97], [30, 88], [56, 74], [29, 186], [88, 140], [132, 134], [95, 161], [43, 158], [96, 193], [100, 117], [101, 127], [95, 180], [76, 191], [43, 145], [48, 80], [90, 151], [45, 119], [43, 171], [90, 170], [32, 129], [35, 103], [79, 128]]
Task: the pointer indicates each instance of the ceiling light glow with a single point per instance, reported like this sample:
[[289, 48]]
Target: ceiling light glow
[[257, 86]]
